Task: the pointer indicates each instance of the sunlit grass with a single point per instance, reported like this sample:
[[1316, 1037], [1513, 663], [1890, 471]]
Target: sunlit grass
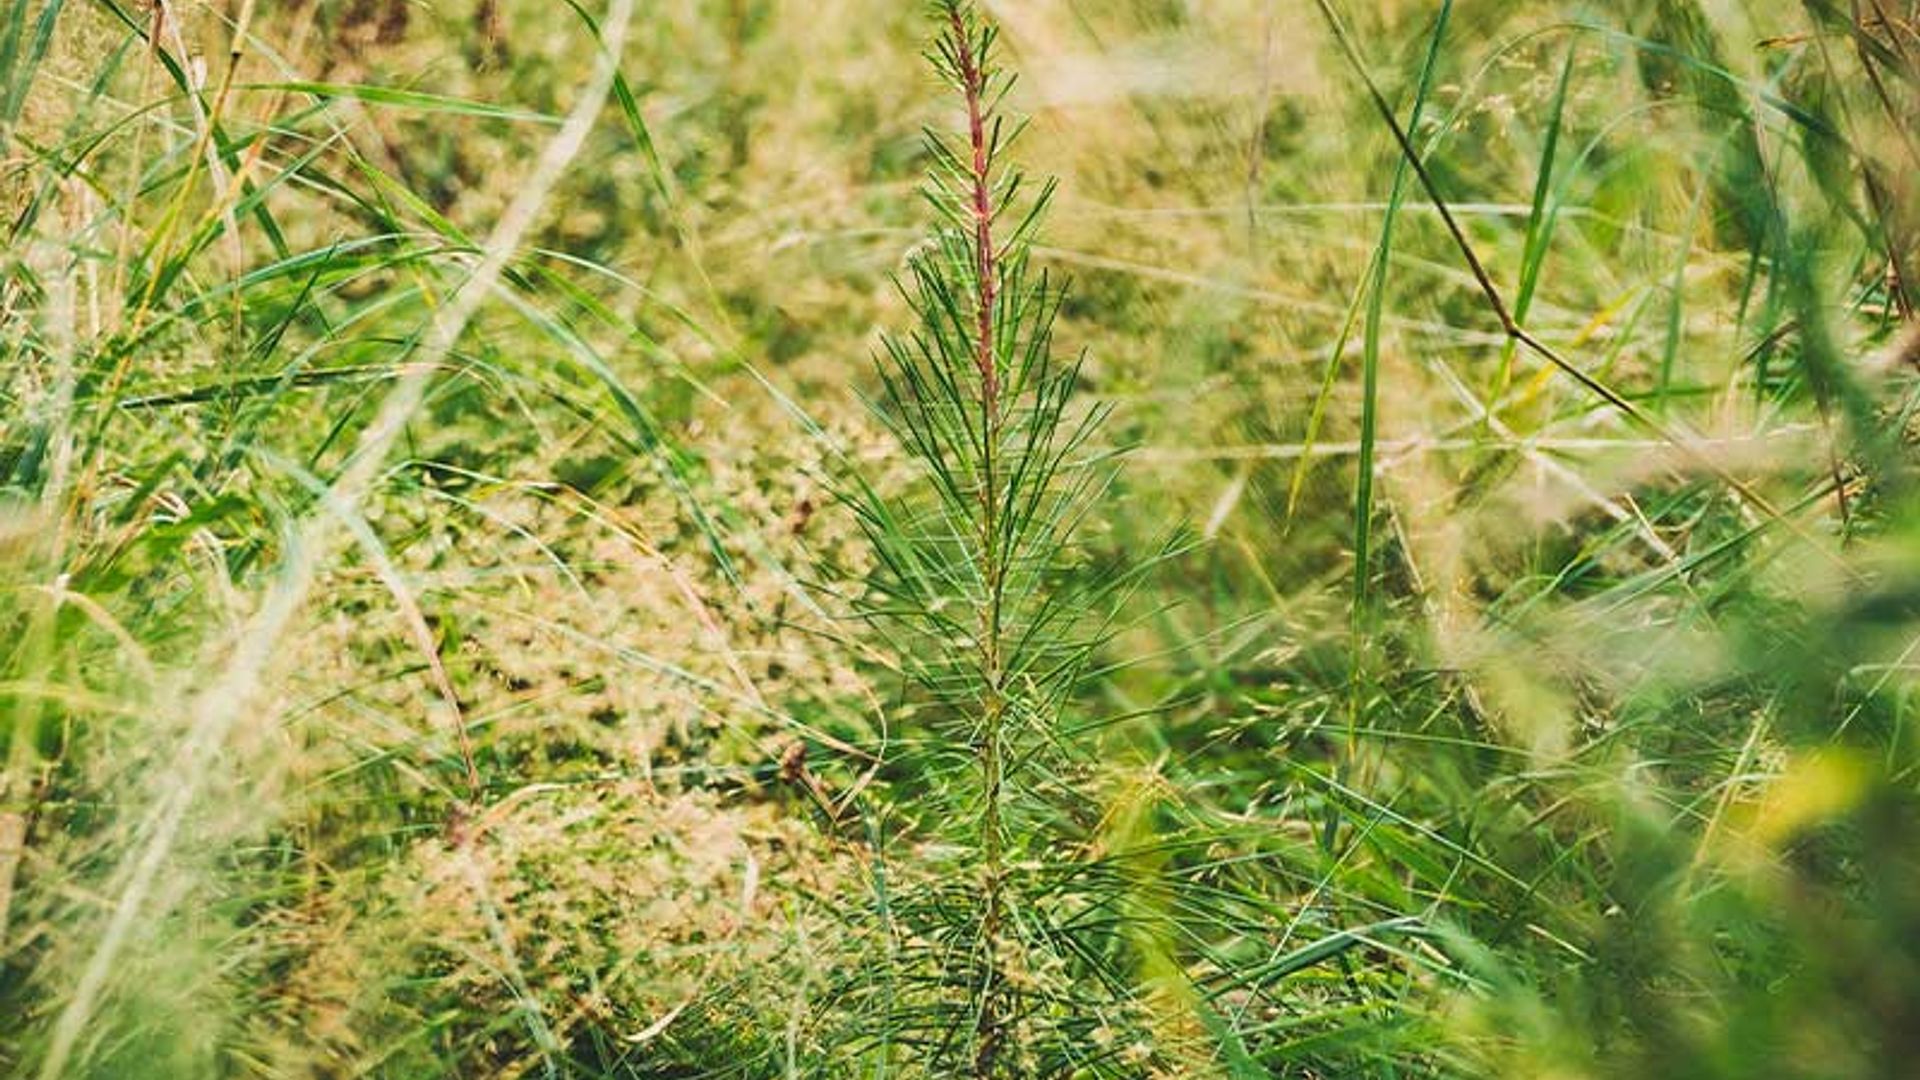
[[434, 615]]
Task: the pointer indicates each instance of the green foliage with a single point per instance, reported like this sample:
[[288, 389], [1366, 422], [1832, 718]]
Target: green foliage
[[420, 434], [994, 611]]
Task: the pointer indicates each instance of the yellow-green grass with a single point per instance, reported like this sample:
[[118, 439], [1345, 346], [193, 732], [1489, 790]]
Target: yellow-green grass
[[430, 612]]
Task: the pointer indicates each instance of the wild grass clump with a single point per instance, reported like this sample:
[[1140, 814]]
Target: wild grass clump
[[468, 607]]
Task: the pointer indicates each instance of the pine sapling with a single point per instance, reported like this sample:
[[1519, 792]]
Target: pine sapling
[[983, 587]]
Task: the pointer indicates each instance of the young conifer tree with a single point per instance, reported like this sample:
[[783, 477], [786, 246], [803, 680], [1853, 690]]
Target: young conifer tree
[[993, 609]]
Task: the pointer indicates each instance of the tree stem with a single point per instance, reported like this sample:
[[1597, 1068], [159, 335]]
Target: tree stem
[[973, 79]]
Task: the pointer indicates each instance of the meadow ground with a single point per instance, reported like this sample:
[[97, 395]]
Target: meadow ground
[[515, 562]]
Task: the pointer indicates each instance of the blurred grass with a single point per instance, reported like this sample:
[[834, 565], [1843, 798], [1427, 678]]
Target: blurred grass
[[1506, 724]]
